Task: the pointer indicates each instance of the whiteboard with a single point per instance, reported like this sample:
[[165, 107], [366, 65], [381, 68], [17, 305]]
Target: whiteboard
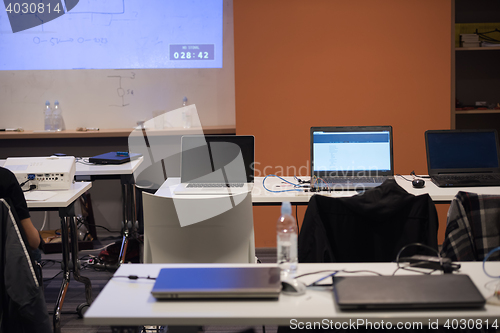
[[119, 98]]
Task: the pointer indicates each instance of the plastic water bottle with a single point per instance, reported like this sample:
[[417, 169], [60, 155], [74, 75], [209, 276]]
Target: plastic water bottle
[[57, 121], [186, 114], [47, 112], [287, 242]]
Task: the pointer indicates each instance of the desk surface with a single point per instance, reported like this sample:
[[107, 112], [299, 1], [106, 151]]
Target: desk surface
[[262, 196], [63, 198], [103, 169], [107, 169], [113, 133], [129, 302]]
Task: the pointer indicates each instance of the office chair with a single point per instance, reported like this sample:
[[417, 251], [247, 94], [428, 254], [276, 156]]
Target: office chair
[[472, 227], [22, 301], [369, 227], [224, 238]]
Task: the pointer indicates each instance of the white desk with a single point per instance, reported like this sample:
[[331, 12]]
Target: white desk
[[63, 201], [260, 196], [63, 198], [108, 170], [129, 302], [124, 172]]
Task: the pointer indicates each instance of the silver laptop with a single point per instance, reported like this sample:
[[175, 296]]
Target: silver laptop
[[218, 282], [406, 292], [216, 164], [351, 157]]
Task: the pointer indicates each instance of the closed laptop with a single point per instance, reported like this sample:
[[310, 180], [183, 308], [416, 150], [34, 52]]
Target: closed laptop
[[218, 282], [113, 158], [400, 292]]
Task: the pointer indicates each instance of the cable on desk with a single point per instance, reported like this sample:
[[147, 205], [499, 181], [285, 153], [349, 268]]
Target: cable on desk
[[408, 180], [332, 273], [134, 277], [445, 266], [82, 160], [301, 181], [314, 181], [284, 180], [412, 173], [486, 259]]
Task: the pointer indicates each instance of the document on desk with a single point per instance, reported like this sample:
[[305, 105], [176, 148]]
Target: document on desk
[[39, 195]]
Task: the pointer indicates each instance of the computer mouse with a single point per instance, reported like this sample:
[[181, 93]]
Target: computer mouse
[[293, 287], [418, 183]]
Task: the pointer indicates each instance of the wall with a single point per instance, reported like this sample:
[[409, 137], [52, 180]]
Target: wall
[[338, 63]]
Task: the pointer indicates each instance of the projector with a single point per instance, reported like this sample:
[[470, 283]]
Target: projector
[[43, 173]]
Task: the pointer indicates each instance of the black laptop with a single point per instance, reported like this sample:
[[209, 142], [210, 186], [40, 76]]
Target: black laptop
[[114, 158], [351, 157], [401, 292], [457, 158]]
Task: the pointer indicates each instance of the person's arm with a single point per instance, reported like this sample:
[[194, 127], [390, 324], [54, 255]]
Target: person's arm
[[9, 188], [31, 233]]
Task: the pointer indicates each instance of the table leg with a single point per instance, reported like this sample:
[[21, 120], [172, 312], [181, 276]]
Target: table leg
[[69, 244], [66, 275], [76, 262], [129, 214]]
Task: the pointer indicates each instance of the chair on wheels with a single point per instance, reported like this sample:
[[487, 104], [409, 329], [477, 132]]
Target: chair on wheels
[[22, 301], [227, 237], [473, 227], [370, 227]]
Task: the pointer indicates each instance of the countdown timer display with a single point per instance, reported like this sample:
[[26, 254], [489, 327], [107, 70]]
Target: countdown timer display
[[192, 52]]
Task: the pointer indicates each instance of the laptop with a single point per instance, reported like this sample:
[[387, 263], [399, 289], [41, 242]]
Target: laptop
[[113, 158], [351, 158], [216, 164], [463, 157], [218, 282], [401, 292]]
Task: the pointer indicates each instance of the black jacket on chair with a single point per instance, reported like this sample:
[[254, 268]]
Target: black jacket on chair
[[22, 304], [369, 227]]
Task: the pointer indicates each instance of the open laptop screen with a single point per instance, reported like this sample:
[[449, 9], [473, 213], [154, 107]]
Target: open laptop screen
[[343, 151], [217, 159], [462, 150]]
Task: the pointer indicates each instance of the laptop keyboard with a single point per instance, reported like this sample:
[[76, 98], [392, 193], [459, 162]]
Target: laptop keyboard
[[215, 185], [470, 177], [354, 180]]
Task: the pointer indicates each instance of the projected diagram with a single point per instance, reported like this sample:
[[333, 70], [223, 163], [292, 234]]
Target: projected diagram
[[123, 93], [124, 34]]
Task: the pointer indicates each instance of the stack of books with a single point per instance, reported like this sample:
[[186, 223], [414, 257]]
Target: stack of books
[[469, 40]]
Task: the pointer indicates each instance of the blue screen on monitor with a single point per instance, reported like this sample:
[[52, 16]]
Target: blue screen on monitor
[[462, 150]]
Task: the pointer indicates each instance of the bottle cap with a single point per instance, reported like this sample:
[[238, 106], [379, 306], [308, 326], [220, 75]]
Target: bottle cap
[[56, 102], [47, 103], [286, 208]]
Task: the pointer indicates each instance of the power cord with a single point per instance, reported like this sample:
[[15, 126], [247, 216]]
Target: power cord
[[32, 187], [486, 259], [332, 273], [412, 173], [424, 261], [134, 277], [297, 187]]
